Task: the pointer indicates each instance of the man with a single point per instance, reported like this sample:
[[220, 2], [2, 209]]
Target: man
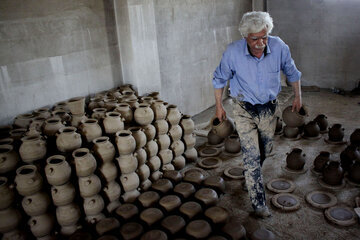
[[252, 65]]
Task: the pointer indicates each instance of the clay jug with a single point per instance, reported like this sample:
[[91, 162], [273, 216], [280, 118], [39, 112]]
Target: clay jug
[[232, 144], [322, 122], [68, 139], [42, 112], [154, 163], [163, 141], [148, 100], [223, 129], [99, 113], [214, 139], [77, 118], [17, 134], [354, 172], [295, 160], [161, 126], [104, 149], [321, 160], [151, 148], [8, 159], [93, 205], [108, 171], [23, 120], [150, 132], [85, 163], [139, 135], [279, 125], [6, 192], [355, 137], [336, 133], [57, 170], [89, 185], [110, 104], [191, 155], [129, 181], [173, 115], [144, 172], [125, 111], [175, 132], [37, 123], [187, 124], [28, 180], [179, 162], [166, 156], [291, 132], [127, 163], [32, 148], [63, 194], [159, 109], [112, 191], [141, 156], [76, 105], [113, 122], [311, 129], [348, 155], [333, 174], [68, 215], [36, 204], [143, 115], [9, 219], [189, 140], [125, 142], [41, 225], [178, 148], [294, 118], [90, 129], [52, 125]]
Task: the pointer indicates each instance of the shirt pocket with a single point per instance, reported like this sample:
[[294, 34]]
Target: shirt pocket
[[273, 80]]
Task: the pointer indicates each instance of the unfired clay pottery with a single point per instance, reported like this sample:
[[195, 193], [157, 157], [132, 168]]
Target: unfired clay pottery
[[295, 160], [36, 204], [191, 155], [98, 113], [89, 185], [8, 158], [90, 129], [215, 182], [37, 123], [207, 196], [143, 115], [177, 147], [162, 185], [336, 133], [166, 156], [170, 202], [154, 163], [214, 139], [163, 142], [173, 223], [161, 126], [234, 228], [23, 120], [85, 163], [333, 174], [150, 131], [104, 149], [148, 198], [194, 177], [184, 189], [348, 155], [218, 215], [63, 194], [154, 95], [133, 103], [52, 125], [76, 105], [32, 148], [6, 141], [68, 139], [189, 140], [156, 175], [175, 132], [210, 162], [286, 201], [6, 192], [141, 156], [198, 229], [190, 209], [113, 122], [281, 185], [131, 230], [232, 144], [148, 100], [294, 118], [125, 142], [62, 114], [107, 225], [321, 160], [129, 181], [93, 205], [223, 129], [144, 172], [173, 175], [322, 122], [68, 215], [173, 115], [76, 119], [127, 163], [41, 225], [291, 132], [151, 148], [355, 137], [139, 135], [187, 124], [321, 199], [311, 129], [42, 112], [341, 215], [127, 211], [9, 219], [179, 162], [159, 109], [112, 191], [354, 172], [151, 215], [28, 180], [262, 234], [125, 111], [110, 104]]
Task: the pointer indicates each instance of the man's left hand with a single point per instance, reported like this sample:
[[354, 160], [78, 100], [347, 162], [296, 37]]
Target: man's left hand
[[297, 104]]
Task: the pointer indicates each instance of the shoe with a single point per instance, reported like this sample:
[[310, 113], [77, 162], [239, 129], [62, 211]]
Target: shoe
[[263, 212], [244, 187]]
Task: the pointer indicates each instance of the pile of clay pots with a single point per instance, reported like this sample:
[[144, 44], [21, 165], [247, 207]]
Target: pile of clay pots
[[109, 150]]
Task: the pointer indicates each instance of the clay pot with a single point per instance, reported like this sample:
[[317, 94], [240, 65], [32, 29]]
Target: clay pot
[[179, 162], [107, 225], [191, 155], [23, 120], [333, 174], [144, 172], [99, 113], [194, 177], [61, 106], [279, 125], [170, 202], [166, 156], [9, 219], [52, 125], [178, 148], [322, 122], [139, 135], [90, 129], [173, 115], [131, 230], [190, 209], [141, 156], [189, 140], [125, 142], [8, 159], [348, 155], [125, 111], [93, 205], [110, 104], [108, 171], [295, 160], [143, 115], [162, 185], [218, 215], [42, 112], [112, 191], [76, 105], [63, 194], [129, 94], [163, 141], [57, 170], [150, 131], [294, 119], [17, 134], [85, 163], [149, 198], [232, 144], [156, 175], [129, 181], [154, 163], [76, 119], [36, 204], [355, 137], [184, 189], [234, 228], [37, 123], [68, 139], [198, 229], [187, 124], [159, 109], [62, 114], [130, 196], [311, 129], [173, 223], [127, 163], [321, 160], [215, 182], [7, 193], [151, 215], [68, 215], [28, 180], [145, 185], [223, 129], [89, 185], [151, 148], [154, 95], [167, 167], [113, 122], [104, 149], [41, 225], [207, 196], [161, 126], [291, 132], [336, 133], [32, 148]]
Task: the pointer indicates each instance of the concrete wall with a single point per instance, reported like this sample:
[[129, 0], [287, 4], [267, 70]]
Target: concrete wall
[[323, 37]]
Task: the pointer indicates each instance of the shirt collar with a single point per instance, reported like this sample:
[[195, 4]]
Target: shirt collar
[[266, 50]]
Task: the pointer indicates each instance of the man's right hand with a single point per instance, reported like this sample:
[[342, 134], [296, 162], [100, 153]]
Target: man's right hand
[[220, 113]]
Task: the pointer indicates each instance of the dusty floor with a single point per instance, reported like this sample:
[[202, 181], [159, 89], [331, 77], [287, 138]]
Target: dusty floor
[[307, 222]]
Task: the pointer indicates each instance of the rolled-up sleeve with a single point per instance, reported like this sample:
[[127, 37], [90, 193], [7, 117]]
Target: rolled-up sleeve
[[288, 65], [223, 72]]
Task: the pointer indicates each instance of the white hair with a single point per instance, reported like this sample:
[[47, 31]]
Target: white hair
[[254, 22]]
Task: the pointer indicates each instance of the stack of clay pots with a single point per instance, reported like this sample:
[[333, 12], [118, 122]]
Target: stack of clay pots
[[176, 132], [58, 174], [29, 184], [89, 184], [189, 139], [293, 120]]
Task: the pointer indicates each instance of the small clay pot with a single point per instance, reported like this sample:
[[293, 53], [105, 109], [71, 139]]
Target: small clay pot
[[76, 105], [113, 122], [90, 129], [141, 156], [190, 209], [179, 162], [36, 204], [173, 175], [232, 144], [291, 132], [321, 160], [125, 142], [191, 155], [23, 120], [199, 229], [131, 230], [294, 118], [162, 185], [354, 172], [187, 124], [41, 225], [99, 113], [130, 181], [223, 128], [355, 137], [104, 149], [68, 139], [57, 170], [295, 160], [150, 131], [207, 196], [125, 111], [178, 148], [139, 135], [161, 126], [63, 194], [68, 215], [8, 158], [170, 202], [333, 174], [189, 140], [336, 133], [311, 129], [173, 223], [85, 163], [151, 148], [143, 115], [348, 155], [175, 132], [52, 125], [89, 185], [151, 215], [218, 215], [144, 172], [93, 205], [214, 139], [112, 191], [77, 118], [173, 115], [127, 163], [148, 198], [159, 109], [28, 180], [163, 141], [215, 182], [322, 122]]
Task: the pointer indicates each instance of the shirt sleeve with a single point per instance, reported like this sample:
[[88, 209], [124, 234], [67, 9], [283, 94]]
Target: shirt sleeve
[[288, 66], [223, 72]]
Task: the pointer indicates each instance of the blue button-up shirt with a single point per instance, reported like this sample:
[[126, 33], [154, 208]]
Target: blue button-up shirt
[[254, 80]]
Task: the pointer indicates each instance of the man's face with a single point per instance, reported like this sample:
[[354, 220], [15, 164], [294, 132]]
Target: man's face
[[257, 41]]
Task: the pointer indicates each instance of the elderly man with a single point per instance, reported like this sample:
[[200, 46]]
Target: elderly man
[[252, 65]]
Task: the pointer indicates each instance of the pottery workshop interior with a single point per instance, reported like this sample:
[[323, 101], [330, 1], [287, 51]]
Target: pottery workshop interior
[[112, 119]]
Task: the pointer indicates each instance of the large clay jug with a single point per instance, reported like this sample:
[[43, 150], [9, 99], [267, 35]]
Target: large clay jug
[[173, 115], [68, 139], [159, 109], [321, 160], [333, 174], [52, 125], [113, 122], [144, 115], [125, 111], [85, 163], [28, 180], [32, 148], [224, 128], [336, 133], [103, 149], [90, 129], [125, 142], [8, 159], [294, 118], [57, 170], [63, 194], [295, 160]]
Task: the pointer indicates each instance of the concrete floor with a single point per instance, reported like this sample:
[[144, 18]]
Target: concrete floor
[[307, 222]]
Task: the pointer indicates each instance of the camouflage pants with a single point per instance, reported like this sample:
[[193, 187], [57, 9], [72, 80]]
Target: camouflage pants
[[255, 125]]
